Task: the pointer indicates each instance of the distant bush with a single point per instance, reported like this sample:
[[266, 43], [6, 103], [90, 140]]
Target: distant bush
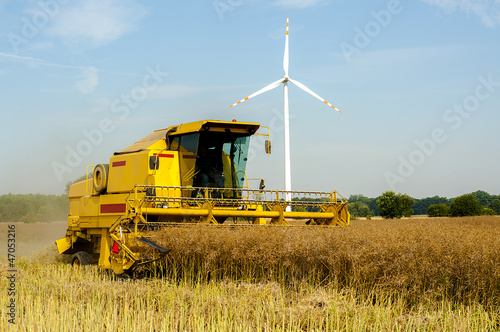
[[495, 205], [438, 210], [465, 205], [488, 212], [299, 209], [370, 202], [421, 205]]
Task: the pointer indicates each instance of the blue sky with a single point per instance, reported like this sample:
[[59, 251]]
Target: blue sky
[[418, 83]]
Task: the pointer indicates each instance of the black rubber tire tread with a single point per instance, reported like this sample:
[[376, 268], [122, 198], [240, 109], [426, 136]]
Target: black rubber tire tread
[[100, 178], [81, 258]]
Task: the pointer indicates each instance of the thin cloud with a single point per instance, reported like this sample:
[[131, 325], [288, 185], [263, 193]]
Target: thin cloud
[[16, 57], [487, 10], [89, 80], [97, 22], [35, 61]]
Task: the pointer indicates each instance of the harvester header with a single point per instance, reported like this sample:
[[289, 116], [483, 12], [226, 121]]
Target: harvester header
[[184, 174]]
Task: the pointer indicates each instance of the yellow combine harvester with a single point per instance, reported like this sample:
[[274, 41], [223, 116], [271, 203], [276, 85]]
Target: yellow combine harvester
[[190, 173]]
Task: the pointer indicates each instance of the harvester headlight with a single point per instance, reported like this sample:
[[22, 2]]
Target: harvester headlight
[[162, 205]]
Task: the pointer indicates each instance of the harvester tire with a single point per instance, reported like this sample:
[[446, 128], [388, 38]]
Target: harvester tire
[[80, 258], [100, 178]]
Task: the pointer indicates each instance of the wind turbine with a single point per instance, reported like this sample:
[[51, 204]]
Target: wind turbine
[[285, 79]]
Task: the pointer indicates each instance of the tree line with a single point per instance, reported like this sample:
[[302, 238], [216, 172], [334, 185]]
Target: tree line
[[392, 205], [30, 208], [33, 208]]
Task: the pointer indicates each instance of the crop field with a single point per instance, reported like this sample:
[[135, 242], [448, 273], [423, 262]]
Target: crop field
[[381, 275]]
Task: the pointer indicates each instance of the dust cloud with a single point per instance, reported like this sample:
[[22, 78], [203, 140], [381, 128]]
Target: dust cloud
[[32, 238]]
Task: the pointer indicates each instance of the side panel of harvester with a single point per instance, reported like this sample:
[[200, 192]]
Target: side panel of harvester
[[148, 167], [92, 213]]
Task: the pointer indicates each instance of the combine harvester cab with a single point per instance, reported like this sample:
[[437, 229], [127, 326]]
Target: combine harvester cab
[[190, 173]]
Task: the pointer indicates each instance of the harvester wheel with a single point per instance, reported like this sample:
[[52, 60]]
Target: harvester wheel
[[81, 258], [100, 178]]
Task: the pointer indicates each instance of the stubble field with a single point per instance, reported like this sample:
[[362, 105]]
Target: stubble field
[[413, 274]]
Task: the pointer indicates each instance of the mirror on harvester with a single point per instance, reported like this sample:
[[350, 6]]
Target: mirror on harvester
[[262, 185], [268, 146]]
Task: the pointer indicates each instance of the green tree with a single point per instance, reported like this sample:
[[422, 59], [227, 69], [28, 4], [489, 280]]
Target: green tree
[[359, 198], [495, 205], [483, 197], [395, 205], [405, 204], [359, 209], [370, 202], [438, 210], [465, 205]]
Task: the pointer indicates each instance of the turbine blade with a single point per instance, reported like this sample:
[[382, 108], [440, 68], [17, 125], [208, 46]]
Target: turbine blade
[[309, 91], [264, 89], [286, 56]]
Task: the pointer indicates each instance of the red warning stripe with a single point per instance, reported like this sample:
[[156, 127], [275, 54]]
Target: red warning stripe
[[119, 163], [164, 155], [113, 208]]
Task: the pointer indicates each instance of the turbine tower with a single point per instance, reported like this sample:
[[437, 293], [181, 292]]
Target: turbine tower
[[285, 79]]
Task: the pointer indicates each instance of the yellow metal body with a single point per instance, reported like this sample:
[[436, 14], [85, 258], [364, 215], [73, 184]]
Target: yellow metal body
[[188, 173]]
